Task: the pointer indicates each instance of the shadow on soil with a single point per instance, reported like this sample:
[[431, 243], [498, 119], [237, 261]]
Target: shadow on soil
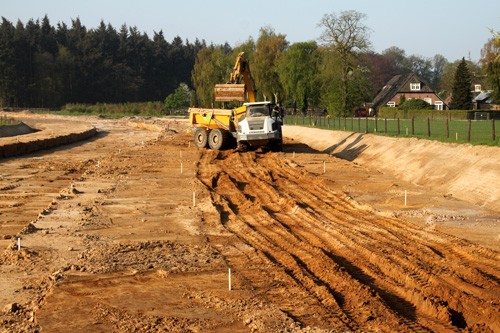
[[349, 153]]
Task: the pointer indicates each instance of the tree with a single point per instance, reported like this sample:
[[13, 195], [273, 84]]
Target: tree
[[446, 80], [297, 71], [270, 47], [461, 98], [490, 62], [439, 63], [398, 56], [212, 66], [381, 69], [346, 35], [179, 99]]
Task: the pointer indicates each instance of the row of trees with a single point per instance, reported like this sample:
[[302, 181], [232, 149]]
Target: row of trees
[[337, 74], [46, 66]]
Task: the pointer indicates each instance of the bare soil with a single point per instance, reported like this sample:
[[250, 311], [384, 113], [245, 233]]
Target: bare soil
[[135, 229]]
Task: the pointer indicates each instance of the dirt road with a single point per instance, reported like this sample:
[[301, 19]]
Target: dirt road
[[135, 230]]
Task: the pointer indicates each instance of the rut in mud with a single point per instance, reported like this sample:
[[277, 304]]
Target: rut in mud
[[329, 262]]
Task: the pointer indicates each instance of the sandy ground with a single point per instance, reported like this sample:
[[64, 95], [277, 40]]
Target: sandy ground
[[135, 229]]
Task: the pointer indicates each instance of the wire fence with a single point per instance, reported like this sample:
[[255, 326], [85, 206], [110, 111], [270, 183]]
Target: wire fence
[[479, 132]]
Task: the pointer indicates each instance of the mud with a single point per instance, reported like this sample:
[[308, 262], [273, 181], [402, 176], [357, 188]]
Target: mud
[[135, 230]]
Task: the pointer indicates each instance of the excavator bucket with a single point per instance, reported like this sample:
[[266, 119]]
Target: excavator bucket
[[230, 92]]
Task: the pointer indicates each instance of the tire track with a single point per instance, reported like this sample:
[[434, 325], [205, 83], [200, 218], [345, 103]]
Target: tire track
[[361, 270]]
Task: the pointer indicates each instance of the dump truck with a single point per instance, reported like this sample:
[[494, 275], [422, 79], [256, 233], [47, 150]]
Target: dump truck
[[250, 125]]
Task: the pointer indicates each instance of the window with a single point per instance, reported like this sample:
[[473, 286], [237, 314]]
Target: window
[[391, 104], [415, 86], [439, 105], [257, 111], [477, 88], [428, 100]]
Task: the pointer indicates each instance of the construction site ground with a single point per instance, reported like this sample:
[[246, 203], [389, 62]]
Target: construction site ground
[[131, 228]]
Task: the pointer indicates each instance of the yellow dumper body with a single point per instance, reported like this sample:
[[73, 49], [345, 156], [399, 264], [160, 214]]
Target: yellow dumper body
[[216, 118]]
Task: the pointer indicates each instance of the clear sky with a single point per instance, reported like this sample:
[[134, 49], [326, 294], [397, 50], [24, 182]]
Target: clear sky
[[452, 28]]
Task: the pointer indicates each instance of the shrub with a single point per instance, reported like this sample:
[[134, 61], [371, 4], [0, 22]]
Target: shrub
[[416, 104]]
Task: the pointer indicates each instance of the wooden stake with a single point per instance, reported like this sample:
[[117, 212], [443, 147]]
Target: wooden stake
[[229, 278]]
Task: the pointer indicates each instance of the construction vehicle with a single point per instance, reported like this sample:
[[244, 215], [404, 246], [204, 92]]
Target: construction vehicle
[[250, 125]]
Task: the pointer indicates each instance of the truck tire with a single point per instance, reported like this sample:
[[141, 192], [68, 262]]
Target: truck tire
[[215, 139], [201, 138], [277, 146], [218, 139]]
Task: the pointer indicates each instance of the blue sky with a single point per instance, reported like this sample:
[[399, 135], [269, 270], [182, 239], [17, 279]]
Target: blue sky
[[454, 29]]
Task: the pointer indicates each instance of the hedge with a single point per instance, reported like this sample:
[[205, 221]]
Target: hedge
[[388, 112]]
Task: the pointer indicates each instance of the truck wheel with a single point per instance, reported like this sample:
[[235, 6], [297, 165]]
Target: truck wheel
[[201, 138], [277, 146], [242, 147], [216, 139]]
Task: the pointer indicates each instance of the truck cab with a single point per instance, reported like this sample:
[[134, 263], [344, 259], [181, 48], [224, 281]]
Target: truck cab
[[256, 127]]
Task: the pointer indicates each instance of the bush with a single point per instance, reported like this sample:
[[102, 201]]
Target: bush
[[416, 104], [388, 112]]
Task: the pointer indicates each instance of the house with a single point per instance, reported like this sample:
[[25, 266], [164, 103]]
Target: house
[[409, 85], [483, 101]]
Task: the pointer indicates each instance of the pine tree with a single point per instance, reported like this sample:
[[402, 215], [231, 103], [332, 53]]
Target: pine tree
[[461, 98]]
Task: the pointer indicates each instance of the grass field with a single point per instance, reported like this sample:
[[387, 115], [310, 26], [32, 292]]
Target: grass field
[[8, 121], [481, 131]]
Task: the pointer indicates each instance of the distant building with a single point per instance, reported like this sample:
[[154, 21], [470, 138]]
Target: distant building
[[483, 101], [411, 86]]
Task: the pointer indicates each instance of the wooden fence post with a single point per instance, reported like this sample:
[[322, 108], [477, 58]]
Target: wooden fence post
[[428, 127], [493, 127], [447, 129], [412, 125], [468, 132], [398, 127], [385, 125], [366, 130]]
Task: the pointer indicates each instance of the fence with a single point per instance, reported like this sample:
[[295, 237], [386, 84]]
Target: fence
[[460, 131]]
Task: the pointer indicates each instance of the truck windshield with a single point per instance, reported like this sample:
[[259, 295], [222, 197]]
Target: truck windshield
[[258, 111]]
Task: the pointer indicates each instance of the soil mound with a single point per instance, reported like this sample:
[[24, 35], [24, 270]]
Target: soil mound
[[14, 130], [469, 173]]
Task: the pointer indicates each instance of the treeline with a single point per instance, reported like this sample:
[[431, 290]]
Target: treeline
[[46, 66], [307, 75]]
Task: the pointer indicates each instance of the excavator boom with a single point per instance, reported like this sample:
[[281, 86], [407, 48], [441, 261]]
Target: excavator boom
[[233, 90]]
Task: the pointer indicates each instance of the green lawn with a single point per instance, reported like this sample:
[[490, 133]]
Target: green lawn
[[8, 121], [481, 132]]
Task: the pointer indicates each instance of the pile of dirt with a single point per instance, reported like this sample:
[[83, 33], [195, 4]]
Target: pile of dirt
[[14, 130], [466, 172]]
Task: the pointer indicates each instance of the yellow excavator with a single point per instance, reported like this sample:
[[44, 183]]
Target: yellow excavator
[[250, 125], [233, 91]]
